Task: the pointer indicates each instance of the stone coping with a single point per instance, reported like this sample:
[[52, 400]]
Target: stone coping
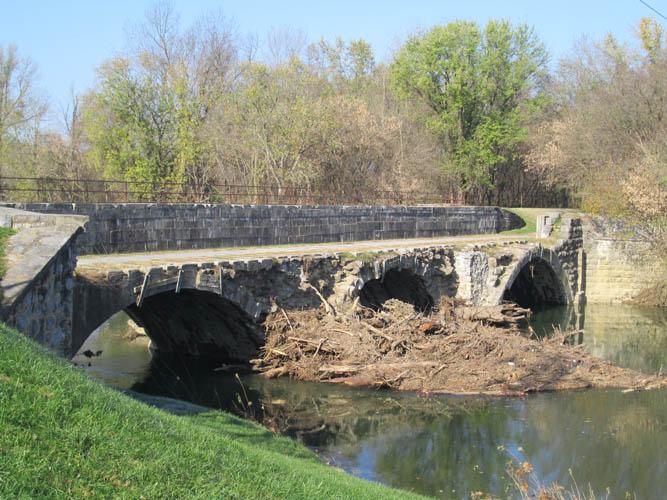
[[38, 239]]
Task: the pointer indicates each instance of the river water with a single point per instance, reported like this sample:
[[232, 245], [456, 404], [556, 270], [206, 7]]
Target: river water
[[445, 446]]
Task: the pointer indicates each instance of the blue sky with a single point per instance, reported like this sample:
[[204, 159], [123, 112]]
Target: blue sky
[[68, 39]]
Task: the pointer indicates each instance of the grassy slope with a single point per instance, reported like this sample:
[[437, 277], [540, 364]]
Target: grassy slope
[[529, 216], [65, 435]]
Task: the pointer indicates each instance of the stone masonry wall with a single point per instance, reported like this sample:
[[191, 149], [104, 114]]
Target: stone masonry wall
[[44, 310], [38, 287], [571, 256], [620, 261], [152, 227]]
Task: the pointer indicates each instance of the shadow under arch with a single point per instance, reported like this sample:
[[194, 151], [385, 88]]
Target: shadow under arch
[[536, 285], [191, 323], [198, 323], [401, 284]]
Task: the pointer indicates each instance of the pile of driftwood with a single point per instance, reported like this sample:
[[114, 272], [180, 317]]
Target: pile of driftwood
[[454, 349]]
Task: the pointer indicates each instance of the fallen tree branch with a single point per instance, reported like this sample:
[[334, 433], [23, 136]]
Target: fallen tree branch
[[289, 323], [327, 307]]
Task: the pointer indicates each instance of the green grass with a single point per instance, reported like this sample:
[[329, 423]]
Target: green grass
[[5, 233], [529, 216], [63, 435]]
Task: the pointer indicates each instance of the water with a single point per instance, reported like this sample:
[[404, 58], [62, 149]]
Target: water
[[124, 360], [450, 446]]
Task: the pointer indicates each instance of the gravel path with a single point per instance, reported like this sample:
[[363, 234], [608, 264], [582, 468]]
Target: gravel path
[[137, 260]]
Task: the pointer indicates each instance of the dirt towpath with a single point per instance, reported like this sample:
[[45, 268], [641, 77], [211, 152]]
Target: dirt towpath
[[138, 260]]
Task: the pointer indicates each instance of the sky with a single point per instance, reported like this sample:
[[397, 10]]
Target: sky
[[69, 39]]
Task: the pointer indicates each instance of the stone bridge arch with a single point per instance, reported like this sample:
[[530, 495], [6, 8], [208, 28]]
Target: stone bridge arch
[[419, 277], [231, 299], [538, 278], [199, 323], [401, 284], [188, 310], [194, 320]]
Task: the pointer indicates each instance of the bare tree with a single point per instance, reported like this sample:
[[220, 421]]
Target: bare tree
[[604, 138], [284, 43], [160, 31], [21, 106]]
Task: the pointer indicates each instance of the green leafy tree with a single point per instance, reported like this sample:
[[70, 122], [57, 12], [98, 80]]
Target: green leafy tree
[[132, 126], [147, 118], [651, 35], [481, 86], [271, 126]]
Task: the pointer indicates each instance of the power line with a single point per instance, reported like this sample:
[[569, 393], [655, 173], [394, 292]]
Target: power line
[[654, 10]]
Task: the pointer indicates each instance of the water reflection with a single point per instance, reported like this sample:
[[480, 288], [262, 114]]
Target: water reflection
[[629, 336], [125, 355], [450, 447]]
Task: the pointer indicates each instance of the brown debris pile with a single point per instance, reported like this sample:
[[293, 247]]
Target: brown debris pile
[[456, 350]]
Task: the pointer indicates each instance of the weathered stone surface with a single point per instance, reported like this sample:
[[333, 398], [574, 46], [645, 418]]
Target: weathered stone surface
[[38, 287], [213, 308], [486, 273], [545, 224], [144, 227], [619, 262]]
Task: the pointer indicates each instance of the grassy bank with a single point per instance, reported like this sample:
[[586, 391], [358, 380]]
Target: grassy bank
[[65, 435], [529, 216]]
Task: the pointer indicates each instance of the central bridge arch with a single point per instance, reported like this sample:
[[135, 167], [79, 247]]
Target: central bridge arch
[[401, 284]]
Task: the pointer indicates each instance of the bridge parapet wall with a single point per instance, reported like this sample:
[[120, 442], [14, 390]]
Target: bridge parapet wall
[[38, 287], [154, 227]]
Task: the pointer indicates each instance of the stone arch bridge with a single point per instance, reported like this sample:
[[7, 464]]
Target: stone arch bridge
[[192, 302], [215, 309]]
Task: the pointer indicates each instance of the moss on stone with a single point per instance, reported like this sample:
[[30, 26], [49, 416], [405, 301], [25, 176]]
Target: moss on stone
[[365, 257]]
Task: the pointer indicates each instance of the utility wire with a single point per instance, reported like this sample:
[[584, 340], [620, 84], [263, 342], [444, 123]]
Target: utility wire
[[654, 10]]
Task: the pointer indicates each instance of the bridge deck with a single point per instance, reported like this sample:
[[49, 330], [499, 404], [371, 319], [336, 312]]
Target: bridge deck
[[175, 257]]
